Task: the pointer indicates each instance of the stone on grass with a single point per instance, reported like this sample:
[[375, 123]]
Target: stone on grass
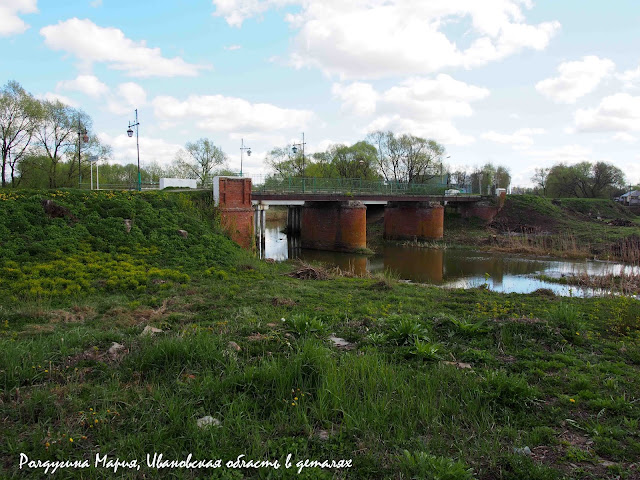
[[522, 451], [128, 223], [341, 343], [150, 331], [115, 348], [183, 233], [234, 346], [208, 421]]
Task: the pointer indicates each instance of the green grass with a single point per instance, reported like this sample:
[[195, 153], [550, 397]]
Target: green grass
[[440, 383]]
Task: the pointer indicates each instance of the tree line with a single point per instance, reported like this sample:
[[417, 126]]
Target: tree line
[[40, 140], [48, 144], [582, 180], [388, 157]]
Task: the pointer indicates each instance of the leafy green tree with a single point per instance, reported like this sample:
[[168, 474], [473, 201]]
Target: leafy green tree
[[286, 163], [357, 161], [503, 177], [585, 180]]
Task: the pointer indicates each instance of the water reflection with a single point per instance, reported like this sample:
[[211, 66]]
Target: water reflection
[[454, 268]]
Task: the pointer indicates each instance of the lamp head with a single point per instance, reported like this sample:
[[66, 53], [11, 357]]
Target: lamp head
[[249, 152], [130, 132], [294, 149]]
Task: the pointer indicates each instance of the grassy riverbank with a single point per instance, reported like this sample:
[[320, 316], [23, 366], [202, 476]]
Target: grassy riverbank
[[430, 384], [574, 228]]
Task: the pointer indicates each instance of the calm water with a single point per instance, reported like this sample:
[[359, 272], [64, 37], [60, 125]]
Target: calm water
[[450, 267]]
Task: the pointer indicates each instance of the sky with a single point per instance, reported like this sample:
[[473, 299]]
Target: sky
[[519, 83]]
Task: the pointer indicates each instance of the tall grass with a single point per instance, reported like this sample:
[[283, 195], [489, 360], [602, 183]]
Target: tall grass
[[563, 245]]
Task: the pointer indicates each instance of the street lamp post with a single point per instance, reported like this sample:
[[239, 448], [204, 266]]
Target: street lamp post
[[81, 132], [242, 149], [130, 133], [294, 149]]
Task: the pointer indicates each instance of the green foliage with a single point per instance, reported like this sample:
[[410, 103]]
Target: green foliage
[[568, 319], [426, 350], [303, 324], [405, 329], [421, 465], [90, 250], [509, 390]]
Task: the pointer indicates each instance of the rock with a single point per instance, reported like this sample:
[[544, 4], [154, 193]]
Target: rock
[[234, 346], [53, 210], [322, 435], [341, 343], [272, 325], [115, 348], [522, 451], [461, 365], [208, 421], [150, 331], [128, 223], [183, 233]]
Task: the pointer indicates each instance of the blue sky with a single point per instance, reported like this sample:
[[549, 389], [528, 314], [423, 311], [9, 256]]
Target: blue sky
[[520, 83]]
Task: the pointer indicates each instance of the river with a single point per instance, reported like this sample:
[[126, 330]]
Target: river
[[450, 267]]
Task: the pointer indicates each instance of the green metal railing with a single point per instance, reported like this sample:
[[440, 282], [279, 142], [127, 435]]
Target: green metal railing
[[344, 186], [121, 186]]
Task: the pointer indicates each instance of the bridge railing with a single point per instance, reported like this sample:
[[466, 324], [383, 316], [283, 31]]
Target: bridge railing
[[344, 186]]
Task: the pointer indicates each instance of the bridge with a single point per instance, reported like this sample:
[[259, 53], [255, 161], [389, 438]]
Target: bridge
[[331, 214]]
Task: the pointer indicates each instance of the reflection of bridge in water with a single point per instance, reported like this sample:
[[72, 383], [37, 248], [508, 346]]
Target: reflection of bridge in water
[[337, 222]]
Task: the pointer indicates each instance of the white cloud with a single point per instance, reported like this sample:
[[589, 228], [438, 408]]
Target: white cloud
[[91, 43], [569, 154], [232, 48], [237, 11], [87, 84], [96, 3], [151, 149], [52, 97], [442, 131], [420, 106], [127, 97], [10, 22], [375, 38], [624, 137], [576, 79], [520, 138], [358, 98], [616, 113], [630, 78], [218, 113]]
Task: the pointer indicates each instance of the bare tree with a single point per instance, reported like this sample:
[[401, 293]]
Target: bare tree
[[540, 179], [407, 158], [58, 133], [19, 116], [200, 159]]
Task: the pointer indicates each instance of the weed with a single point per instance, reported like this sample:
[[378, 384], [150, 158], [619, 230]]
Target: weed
[[405, 329], [426, 351], [420, 465], [304, 324]]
